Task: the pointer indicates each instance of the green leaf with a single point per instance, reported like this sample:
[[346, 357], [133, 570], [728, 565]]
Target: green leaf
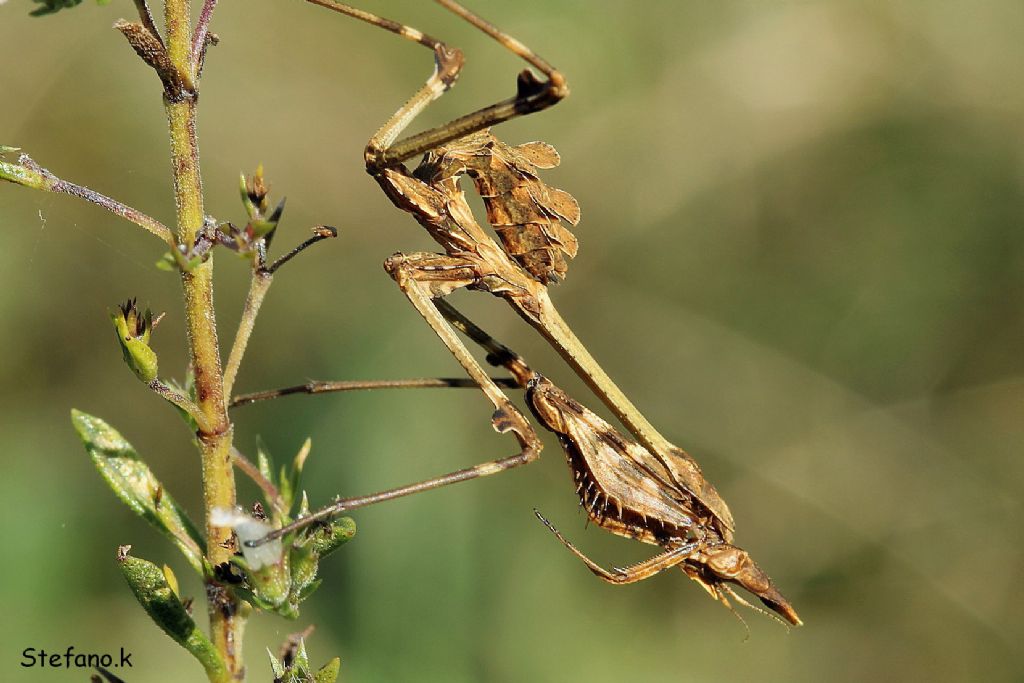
[[243, 186], [264, 461], [52, 6], [172, 580], [22, 175], [300, 660], [327, 540], [307, 591], [167, 262], [150, 586], [185, 390], [329, 672], [134, 483], [284, 487], [291, 481], [275, 665], [298, 670]]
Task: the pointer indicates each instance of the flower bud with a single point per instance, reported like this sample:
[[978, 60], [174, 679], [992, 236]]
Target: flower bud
[[133, 332], [262, 220]]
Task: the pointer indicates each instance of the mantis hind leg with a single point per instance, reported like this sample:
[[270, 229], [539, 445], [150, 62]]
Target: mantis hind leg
[[422, 277]]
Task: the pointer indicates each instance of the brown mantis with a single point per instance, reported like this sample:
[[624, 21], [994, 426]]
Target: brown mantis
[[639, 499], [652, 490]]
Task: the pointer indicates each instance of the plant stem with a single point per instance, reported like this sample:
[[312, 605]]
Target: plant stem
[[227, 613], [177, 20]]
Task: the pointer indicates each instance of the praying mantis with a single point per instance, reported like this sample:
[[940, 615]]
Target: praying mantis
[[652, 490]]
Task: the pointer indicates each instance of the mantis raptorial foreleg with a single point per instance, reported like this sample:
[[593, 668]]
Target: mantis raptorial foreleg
[[533, 95], [417, 275]]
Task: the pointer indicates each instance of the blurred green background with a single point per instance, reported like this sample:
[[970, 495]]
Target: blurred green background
[[801, 255]]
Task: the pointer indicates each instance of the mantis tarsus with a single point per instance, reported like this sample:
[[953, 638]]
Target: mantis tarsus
[[657, 491]]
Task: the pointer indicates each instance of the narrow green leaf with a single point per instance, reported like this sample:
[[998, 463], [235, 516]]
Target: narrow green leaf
[[284, 487], [298, 669], [22, 175], [294, 478], [304, 564], [189, 391], [307, 591], [167, 262], [300, 660], [275, 665], [250, 207], [264, 461], [172, 580], [327, 540], [329, 672], [150, 586], [134, 483], [51, 6]]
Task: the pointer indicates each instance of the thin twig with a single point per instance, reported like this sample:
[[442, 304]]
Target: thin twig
[[30, 174], [147, 19], [253, 472], [318, 387], [128, 213], [181, 401], [202, 30], [262, 277], [258, 287], [320, 232]]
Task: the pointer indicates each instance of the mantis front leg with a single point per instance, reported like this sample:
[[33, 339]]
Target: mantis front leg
[[532, 95]]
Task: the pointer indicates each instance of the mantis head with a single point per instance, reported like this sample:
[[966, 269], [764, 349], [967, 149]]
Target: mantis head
[[717, 566]]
